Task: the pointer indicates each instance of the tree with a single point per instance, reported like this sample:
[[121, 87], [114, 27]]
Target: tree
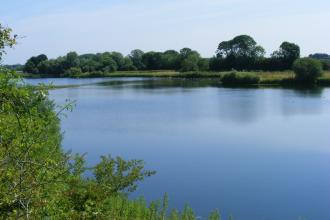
[[190, 60], [6, 39], [128, 64], [307, 70], [119, 59], [242, 52], [152, 60], [190, 63], [171, 60], [107, 62], [30, 155], [71, 60], [287, 54], [136, 57], [32, 64]]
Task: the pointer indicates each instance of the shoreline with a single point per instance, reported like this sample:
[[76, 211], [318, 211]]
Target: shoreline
[[284, 78]]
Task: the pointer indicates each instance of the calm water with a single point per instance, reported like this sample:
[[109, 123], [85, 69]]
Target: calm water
[[260, 154]]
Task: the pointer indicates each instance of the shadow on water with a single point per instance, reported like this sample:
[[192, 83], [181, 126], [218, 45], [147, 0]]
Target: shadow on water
[[163, 83], [246, 105]]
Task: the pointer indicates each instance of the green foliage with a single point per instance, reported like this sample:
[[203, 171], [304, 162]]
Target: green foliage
[[73, 72], [30, 154], [119, 175], [286, 55], [136, 57], [6, 39], [191, 61], [242, 52], [104, 63], [235, 78], [307, 70]]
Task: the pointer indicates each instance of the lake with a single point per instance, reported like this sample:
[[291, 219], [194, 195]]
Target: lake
[[256, 153]]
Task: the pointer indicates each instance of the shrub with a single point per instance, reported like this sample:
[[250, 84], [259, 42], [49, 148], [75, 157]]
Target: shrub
[[307, 70], [234, 78]]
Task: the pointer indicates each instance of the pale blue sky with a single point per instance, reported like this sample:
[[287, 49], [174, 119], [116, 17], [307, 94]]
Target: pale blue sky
[[87, 26]]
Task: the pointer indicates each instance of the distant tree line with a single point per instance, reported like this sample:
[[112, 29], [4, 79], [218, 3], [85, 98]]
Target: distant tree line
[[240, 53], [72, 63]]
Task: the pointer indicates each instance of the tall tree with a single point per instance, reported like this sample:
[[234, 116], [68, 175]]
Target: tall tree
[[242, 52], [287, 54], [136, 57]]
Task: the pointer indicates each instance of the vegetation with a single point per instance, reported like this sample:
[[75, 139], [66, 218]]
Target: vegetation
[[240, 53], [6, 39], [307, 70]]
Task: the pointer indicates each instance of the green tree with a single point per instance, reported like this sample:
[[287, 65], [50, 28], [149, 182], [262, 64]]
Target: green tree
[[6, 39], [307, 70], [71, 60], [242, 52], [190, 60], [30, 155], [32, 64], [287, 54], [152, 60], [136, 57], [171, 60]]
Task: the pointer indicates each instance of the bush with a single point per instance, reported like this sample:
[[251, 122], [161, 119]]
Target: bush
[[307, 70], [234, 78]]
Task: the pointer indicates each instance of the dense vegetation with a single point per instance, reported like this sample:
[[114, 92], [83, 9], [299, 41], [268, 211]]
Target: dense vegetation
[[240, 53], [307, 70]]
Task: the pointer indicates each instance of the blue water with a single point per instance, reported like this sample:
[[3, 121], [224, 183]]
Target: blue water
[[256, 153]]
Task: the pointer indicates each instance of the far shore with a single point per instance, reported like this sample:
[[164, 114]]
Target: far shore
[[266, 78]]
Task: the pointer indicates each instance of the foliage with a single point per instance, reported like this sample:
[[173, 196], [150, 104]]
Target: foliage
[[30, 155], [286, 55], [242, 52], [307, 70], [73, 72], [6, 39], [186, 60]]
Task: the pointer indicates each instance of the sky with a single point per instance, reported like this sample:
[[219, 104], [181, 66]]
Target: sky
[[56, 27]]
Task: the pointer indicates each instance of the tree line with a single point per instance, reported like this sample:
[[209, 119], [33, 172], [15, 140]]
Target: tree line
[[240, 53]]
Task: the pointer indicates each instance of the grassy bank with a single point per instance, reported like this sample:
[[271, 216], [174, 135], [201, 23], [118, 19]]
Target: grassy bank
[[265, 78]]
